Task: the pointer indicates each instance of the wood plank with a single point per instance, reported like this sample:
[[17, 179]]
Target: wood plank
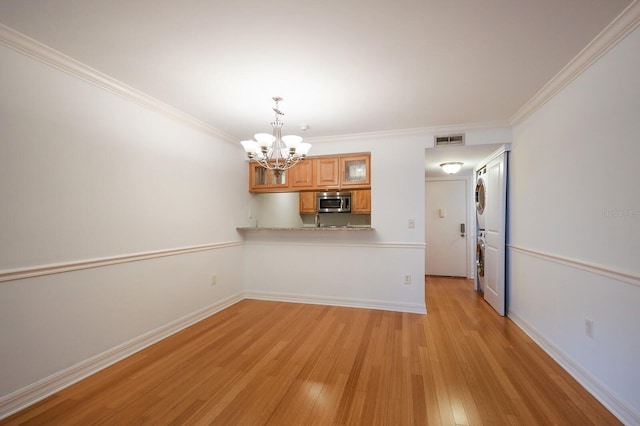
[[261, 362]]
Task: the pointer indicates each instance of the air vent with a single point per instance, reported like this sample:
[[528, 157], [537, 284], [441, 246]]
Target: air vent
[[450, 140]]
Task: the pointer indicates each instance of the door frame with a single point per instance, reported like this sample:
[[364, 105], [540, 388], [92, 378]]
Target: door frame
[[471, 219]]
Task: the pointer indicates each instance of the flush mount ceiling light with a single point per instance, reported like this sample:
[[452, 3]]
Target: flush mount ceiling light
[[451, 168], [274, 151]]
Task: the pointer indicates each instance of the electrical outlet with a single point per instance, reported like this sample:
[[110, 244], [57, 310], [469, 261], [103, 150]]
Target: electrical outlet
[[214, 279], [588, 327], [407, 279], [412, 223]]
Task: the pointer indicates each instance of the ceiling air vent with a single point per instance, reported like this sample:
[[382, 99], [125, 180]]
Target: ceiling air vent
[[450, 140]]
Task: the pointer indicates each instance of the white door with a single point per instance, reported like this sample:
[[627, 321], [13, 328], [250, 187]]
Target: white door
[[445, 211], [495, 211]]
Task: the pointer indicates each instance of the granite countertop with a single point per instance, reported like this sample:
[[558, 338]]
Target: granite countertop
[[308, 228]]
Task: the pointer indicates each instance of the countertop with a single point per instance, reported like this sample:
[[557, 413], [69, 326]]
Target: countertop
[[309, 228]]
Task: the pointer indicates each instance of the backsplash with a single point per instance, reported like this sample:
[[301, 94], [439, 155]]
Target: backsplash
[[282, 210]]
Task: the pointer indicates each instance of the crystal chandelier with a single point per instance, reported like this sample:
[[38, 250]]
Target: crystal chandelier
[[274, 151]]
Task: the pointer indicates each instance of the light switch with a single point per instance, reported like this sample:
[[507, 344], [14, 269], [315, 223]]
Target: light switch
[[442, 213]]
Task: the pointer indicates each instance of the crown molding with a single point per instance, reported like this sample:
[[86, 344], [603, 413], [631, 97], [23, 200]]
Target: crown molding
[[49, 56], [627, 21], [413, 132]]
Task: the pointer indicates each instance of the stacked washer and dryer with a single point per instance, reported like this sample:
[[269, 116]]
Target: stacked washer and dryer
[[480, 196]]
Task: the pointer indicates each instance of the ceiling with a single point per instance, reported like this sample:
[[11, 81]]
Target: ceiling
[[342, 67], [471, 156]]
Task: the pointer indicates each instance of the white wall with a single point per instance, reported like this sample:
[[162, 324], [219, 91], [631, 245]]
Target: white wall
[[86, 174], [575, 227]]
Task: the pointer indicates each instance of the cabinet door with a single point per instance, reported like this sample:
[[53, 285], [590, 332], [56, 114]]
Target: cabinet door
[[355, 171], [308, 202], [278, 179], [327, 173], [264, 180], [361, 201], [301, 175], [258, 178]]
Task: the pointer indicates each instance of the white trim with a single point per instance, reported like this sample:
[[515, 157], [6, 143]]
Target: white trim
[[349, 302], [495, 154], [45, 54], [618, 407], [35, 392], [627, 277], [334, 244], [619, 28], [57, 268], [418, 131]]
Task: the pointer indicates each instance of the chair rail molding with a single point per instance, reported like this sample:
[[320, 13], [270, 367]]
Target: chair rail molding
[[627, 277], [58, 268]]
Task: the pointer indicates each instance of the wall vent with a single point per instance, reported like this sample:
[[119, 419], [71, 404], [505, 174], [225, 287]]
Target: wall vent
[[449, 140]]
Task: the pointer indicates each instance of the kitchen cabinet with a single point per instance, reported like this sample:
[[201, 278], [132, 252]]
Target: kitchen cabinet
[[330, 173], [355, 171], [361, 201], [264, 180], [301, 175], [308, 202], [327, 172]]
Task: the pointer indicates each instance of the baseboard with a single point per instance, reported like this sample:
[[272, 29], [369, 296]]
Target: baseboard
[[618, 407], [35, 392], [413, 308]]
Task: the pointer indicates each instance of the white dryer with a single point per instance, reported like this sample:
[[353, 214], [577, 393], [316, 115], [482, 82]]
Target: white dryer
[[481, 197], [480, 246]]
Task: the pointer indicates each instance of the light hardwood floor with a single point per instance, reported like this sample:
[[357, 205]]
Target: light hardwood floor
[[277, 363]]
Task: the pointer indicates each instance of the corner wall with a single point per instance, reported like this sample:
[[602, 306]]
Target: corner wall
[[574, 227]]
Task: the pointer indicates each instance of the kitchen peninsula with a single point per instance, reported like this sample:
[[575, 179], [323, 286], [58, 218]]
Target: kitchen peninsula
[[308, 228]]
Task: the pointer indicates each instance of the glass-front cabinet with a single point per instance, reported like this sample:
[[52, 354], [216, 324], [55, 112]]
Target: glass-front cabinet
[[261, 179], [355, 171]]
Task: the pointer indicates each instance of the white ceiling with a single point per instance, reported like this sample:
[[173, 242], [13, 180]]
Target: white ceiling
[[471, 156], [343, 67]]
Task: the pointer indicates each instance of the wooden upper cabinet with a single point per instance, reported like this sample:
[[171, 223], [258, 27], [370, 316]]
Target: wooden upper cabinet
[[330, 173], [355, 171], [327, 173], [361, 201], [301, 175], [264, 180], [308, 202]]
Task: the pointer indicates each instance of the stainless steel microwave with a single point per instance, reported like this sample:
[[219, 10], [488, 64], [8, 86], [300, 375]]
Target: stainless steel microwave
[[334, 202]]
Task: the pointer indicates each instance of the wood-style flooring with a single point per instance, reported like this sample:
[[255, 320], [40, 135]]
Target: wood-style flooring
[[259, 363]]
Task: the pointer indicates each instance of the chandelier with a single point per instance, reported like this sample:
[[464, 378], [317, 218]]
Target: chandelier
[[274, 151]]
